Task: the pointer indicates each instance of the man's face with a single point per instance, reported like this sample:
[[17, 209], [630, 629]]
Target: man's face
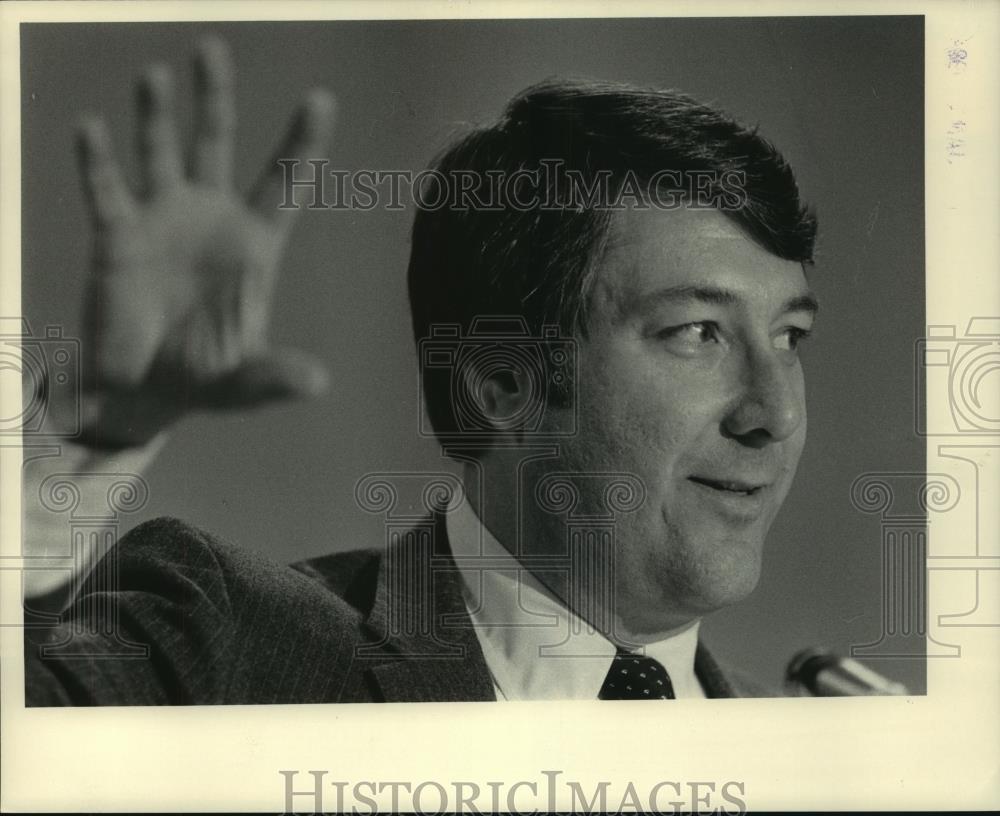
[[690, 379]]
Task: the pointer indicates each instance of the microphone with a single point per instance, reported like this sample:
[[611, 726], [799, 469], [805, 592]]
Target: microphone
[[820, 673]]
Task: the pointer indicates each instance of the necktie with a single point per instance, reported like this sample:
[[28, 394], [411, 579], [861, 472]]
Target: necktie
[[636, 677]]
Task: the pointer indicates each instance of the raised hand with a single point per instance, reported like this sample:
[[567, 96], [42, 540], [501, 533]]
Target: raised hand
[[184, 268]]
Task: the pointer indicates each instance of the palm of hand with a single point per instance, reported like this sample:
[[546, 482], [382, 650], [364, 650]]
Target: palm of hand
[[183, 275], [183, 291]]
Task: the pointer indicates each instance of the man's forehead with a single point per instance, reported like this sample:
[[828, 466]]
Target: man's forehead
[[650, 252], [681, 224]]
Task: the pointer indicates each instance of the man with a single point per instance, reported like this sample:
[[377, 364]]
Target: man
[[647, 257]]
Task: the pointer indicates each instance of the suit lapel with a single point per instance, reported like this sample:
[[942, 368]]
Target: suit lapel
[[710, 674], [423, 647]]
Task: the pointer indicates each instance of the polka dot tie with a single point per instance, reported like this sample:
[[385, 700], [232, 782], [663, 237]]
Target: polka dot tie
[[636, 677]]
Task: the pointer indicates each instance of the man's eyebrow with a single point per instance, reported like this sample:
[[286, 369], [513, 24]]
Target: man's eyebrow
[[801, 303], [712, 295], [716, 296]]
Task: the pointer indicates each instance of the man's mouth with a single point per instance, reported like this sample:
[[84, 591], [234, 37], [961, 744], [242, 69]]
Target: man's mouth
[[735, 486]]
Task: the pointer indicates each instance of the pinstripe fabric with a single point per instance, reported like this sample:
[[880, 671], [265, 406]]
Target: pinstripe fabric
[[225, 626]]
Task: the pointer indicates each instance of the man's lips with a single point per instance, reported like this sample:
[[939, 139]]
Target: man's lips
[[738, 487], [738, 499]]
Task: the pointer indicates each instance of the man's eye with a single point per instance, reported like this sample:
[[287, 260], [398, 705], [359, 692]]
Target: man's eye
[[791, 337], [692, 333]]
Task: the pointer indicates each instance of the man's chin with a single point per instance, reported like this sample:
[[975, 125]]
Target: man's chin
[[727, 577], [722, 595]]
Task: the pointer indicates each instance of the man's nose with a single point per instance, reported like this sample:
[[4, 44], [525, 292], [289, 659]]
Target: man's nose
[[770, 403]]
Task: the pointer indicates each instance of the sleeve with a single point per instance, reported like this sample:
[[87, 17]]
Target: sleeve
[[164, 637]]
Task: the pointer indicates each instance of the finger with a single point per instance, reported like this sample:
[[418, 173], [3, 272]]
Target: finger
[[212, 156], [108, 198], [159, 152], [308, 138], [284, 374]]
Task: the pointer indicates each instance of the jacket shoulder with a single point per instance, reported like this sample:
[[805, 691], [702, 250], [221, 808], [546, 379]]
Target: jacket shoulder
[[220, 624], [351, 575]]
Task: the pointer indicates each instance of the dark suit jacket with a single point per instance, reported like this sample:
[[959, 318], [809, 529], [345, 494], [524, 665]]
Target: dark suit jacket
[[197, 621]]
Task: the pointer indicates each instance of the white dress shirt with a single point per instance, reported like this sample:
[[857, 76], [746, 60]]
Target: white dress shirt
[[535, 647]]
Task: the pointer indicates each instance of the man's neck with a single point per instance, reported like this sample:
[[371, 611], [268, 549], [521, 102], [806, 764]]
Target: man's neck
[[496, 502]]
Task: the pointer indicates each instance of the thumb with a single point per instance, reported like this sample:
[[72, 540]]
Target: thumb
[[280, 375]]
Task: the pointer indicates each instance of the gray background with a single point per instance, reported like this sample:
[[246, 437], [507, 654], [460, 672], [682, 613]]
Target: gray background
[[841, 97]]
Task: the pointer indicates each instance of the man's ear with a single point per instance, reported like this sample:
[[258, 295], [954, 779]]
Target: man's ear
[[505, 397]]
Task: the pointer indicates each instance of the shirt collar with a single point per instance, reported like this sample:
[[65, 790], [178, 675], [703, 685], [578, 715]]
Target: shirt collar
[[536, 648]]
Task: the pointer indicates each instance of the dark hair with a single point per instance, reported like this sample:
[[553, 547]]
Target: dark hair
[[538, 262]]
